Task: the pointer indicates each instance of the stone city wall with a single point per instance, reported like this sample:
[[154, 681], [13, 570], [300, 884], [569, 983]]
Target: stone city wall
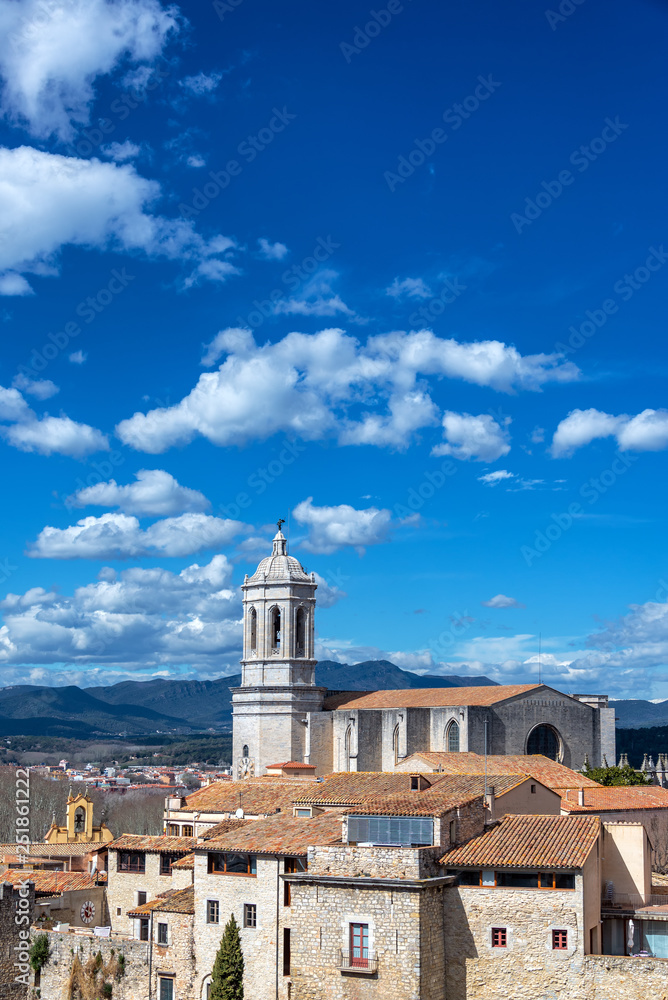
[[54, 980]]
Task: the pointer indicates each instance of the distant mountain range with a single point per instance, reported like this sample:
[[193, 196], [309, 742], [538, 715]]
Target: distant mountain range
[[138, 707], [638, 714]]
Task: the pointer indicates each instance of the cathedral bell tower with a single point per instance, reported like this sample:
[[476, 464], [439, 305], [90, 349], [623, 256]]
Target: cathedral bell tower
[[270, 709]]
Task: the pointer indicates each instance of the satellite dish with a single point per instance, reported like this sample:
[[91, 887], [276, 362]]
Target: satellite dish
[[239, 813]]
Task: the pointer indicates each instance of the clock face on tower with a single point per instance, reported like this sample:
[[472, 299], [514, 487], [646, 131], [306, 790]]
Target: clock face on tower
[[246, 768], [87, 911]]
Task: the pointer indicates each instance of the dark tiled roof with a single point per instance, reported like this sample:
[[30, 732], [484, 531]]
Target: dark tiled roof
[[283, 834], [530, 842], [152, 845], [173, 901], [427, 697]]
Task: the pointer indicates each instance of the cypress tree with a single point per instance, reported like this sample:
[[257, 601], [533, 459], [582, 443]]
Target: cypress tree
[[227, 980]]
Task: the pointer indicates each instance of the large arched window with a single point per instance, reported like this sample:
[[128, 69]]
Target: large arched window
[[252, 630], [545, 740], [452, 737], [300, 632], [395, 744], [275, 629], [348, 746]]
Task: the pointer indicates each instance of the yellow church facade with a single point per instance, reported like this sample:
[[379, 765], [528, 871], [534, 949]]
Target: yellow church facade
[[79, 827]]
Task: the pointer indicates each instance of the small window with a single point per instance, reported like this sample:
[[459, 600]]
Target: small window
[[187, 831], [533, 789], [212, 911], [556, 880], [303, 813], [250, 915], [415, 783], [286, 951], [245, 752], [132, 861], [143, 929], [118, 911], [173, 830], [162, 933], [295, 865], [166, 862], [141, 897], [453, 831], [232, 864], [559, 940], [499, 937], [468, 878], [165, 989], [287, 894]]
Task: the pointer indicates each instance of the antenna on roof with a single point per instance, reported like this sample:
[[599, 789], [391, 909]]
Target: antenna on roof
[[540, 642]]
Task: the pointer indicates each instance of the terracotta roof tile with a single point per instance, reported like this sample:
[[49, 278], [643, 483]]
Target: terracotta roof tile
[[430, 802], [548, 772], [256, 796], [279, 835], [187, 861], [346, 787], [294, 764], [611, 799], [39, 849], [426, 697], [172, 901], [530, 842], [153, 845], [223, 827], [50, 882]]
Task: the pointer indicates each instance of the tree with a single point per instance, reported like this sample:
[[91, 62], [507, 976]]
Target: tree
[[616, 775], [227, 979]]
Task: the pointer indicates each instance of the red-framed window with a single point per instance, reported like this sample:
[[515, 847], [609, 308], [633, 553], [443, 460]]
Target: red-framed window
[[499, 937], [359, 945], [559, 940]]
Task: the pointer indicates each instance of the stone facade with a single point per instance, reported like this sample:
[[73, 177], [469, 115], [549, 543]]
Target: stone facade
[[262, 944], [66, 947], [124, 886], [16, 910]]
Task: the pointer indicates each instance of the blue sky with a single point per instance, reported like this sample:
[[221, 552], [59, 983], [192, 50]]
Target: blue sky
[[398, 271]]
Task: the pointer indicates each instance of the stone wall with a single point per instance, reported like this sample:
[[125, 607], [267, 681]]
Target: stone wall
[[577, 724], [16, 907], [376, 862], [475, 969], [589, 977], [65, 947], [404, 934], [320, 742]]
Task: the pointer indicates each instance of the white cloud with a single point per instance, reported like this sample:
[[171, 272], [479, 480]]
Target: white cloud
[[473, 437], [48, 201], [647, 431], [12, 283], [195, 161], [55, 435], [40, 388], [155, 494], [332, 528], [410, 288], [140, 619], [501, 601], [13, 406], [78, 357], [317, 298], [327, 594], [309, 385], [51, 54], [492, 478], [118, 536], [201, 84], [271, 251], [121, 151]]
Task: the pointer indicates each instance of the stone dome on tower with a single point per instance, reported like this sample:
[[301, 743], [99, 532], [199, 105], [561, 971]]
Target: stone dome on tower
[[279, 565]]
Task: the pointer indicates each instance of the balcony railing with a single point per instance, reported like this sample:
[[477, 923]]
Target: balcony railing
[[350, 963], [632, 900]]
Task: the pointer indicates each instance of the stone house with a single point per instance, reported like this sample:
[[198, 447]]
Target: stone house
[[171, 950], [140, 869]]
